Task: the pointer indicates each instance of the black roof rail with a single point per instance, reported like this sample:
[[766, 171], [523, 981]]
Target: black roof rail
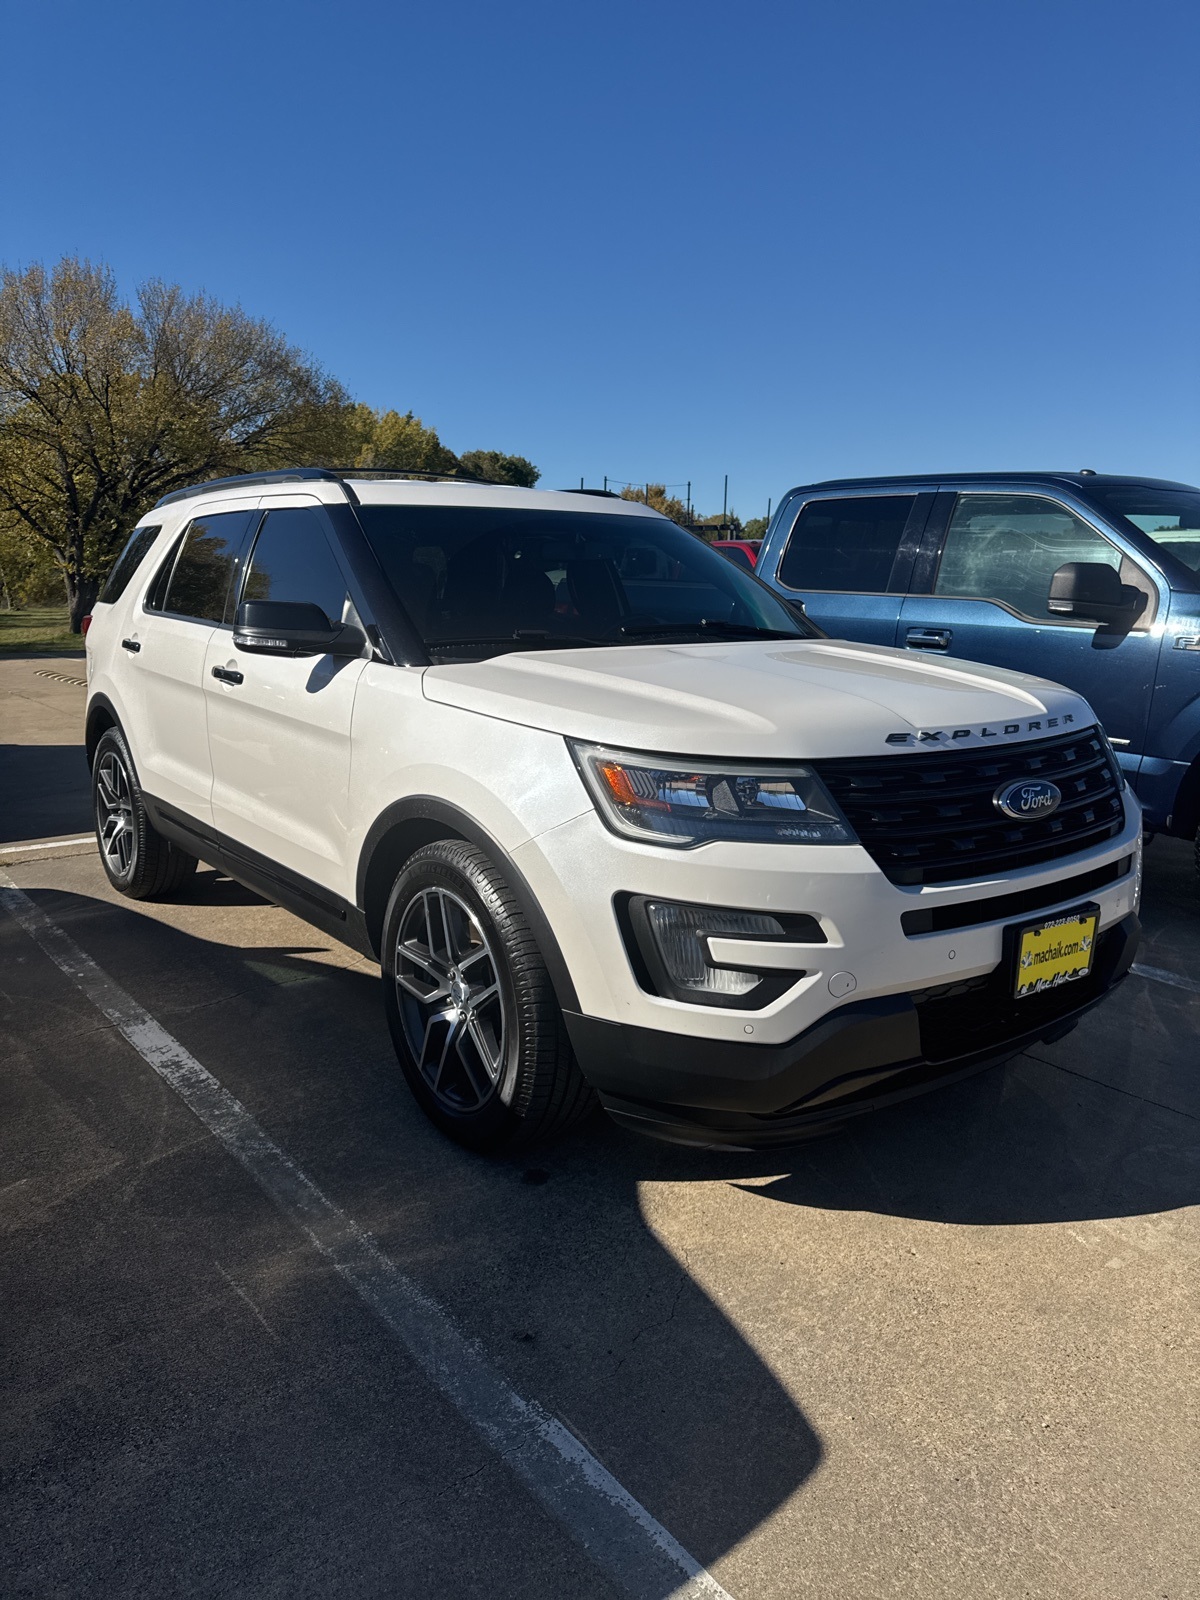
[[603, 494], [247, 480], [412, 472]]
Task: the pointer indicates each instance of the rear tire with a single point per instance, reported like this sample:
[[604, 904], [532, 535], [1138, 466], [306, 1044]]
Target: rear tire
[[137, 860], [473, 1015]]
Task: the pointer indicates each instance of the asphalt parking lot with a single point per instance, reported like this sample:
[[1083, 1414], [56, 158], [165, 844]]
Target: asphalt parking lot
[[951, 1351]]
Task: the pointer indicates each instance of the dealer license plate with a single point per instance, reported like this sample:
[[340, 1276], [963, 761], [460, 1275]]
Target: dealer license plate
[[1050, 954]]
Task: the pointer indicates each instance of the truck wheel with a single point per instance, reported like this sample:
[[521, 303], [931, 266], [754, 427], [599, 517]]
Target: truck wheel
[[137, 860], [472, 1012]]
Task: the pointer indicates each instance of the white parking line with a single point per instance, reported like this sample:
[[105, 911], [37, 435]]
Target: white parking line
[[1161, 975], [617, 1532], [52, 844]]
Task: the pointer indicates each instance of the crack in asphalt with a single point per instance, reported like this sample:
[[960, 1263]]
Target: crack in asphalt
[[1099, 1083]]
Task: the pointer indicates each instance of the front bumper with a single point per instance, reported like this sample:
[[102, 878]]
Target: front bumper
[[733, 1095]]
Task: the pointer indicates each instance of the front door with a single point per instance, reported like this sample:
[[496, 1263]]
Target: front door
[[991, 583], [279, 726]]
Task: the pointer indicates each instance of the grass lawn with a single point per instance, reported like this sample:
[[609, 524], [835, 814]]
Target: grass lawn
[[42, 629]]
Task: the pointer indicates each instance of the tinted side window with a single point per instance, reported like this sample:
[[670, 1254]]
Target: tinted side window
[[157, 593], [1007, 547], [127, 563], [292, 561], [846, 544], [201, 577]]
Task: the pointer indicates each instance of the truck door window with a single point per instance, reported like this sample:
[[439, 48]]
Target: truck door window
[[847, 545], [1007, 547]]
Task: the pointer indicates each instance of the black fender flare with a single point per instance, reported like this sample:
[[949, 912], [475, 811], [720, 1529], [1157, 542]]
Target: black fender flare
[[421, 819], [92, 728]]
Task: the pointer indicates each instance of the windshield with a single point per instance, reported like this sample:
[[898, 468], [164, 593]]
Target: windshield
[[1171, 517], [479, 580]]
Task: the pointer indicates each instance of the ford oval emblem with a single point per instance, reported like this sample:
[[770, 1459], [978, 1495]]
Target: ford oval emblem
[[1030, 798]]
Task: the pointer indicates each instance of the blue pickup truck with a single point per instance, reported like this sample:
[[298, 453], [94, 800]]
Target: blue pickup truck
[[1085, 578]]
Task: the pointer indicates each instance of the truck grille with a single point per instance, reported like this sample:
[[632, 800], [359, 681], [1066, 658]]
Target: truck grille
[[931, 819]]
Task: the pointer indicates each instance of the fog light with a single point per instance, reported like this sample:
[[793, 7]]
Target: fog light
[[680, 932]]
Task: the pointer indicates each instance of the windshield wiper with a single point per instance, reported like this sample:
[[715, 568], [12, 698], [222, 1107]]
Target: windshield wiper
[[733, 630], [521, 637]]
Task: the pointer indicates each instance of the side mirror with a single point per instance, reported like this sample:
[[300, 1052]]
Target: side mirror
[[1092, 591], [281, 628]]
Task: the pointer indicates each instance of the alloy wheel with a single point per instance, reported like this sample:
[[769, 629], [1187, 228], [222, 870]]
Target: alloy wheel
[[114, 815], [451, 1003]]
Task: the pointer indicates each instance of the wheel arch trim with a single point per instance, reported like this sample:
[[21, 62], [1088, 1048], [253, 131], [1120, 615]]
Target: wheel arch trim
[[100, 716], [408, 824]]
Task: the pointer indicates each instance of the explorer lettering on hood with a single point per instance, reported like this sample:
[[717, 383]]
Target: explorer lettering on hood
[[945, 738]]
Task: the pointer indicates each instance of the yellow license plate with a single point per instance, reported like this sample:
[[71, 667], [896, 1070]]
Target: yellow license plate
[[1053, 953]]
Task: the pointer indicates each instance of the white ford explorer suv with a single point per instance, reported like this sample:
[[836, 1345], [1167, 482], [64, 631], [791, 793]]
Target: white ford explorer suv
[[616, 821]]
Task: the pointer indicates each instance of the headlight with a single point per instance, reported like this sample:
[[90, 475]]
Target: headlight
[[684, 803]]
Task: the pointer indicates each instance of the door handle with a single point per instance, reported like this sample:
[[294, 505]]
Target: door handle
[[228, 675], [928, 638], [130, 644]]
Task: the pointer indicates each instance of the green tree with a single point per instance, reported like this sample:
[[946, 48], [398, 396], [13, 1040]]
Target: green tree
[[27, 574], [396, 443], [106, 405], [755, 528], [499, 468], [656, 497]]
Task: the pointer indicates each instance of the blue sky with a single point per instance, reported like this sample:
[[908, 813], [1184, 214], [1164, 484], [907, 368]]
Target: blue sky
[[660, 240]]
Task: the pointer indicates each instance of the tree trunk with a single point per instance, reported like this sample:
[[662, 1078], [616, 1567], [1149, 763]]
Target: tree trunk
[[81, 590], [81, 597]]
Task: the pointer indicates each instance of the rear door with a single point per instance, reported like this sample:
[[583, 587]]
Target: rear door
[[986, 569], [166, 641], [279, 726], [849, 557]]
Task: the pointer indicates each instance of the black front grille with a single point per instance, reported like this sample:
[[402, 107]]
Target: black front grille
[[931, 818]]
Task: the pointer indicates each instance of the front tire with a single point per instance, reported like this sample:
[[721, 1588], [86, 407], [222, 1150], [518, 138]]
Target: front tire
[[137, 860], [471, 1009]]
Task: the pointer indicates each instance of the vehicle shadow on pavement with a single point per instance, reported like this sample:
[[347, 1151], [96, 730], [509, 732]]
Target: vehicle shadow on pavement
[[546, 1261], [43, 791]]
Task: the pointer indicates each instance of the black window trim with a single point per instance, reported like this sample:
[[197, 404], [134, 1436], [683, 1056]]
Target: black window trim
[[907, 550], [937, 530]]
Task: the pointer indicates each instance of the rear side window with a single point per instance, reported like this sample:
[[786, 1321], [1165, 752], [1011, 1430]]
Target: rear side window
[[127, 563], [292, 561], [847, 545], [1007, 547], [199, 583]]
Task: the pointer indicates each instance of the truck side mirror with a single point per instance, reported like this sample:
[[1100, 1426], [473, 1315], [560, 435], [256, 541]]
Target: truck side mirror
[[285, 628], [1092, 591]]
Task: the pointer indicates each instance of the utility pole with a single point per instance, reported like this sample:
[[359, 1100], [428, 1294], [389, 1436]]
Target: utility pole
[[725, 504], [691, 519], [768, 510], [606, 484]]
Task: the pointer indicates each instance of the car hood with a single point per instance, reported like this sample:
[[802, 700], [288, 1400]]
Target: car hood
[[760, 698]]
